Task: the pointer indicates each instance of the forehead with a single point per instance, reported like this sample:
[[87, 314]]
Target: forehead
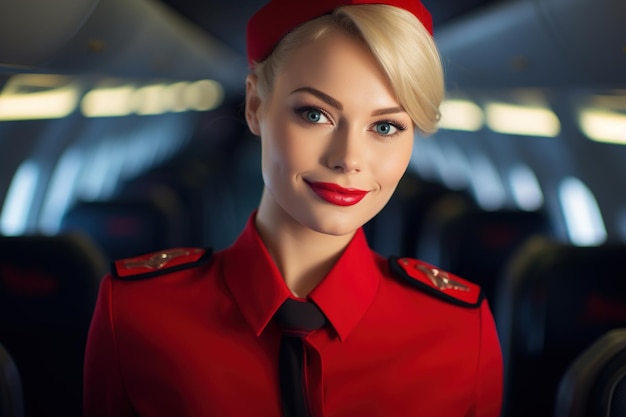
[[339, 64]]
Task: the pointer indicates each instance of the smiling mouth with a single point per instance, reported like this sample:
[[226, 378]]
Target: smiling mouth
[[336, 194]]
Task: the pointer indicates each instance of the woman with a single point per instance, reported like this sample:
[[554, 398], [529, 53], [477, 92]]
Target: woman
[[299, 317]]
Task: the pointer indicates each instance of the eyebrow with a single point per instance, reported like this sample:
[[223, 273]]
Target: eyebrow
[[322, 96], [336, 104], [390, 110]]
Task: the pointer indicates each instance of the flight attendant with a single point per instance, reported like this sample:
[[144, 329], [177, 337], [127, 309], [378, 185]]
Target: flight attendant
[[299, 317]]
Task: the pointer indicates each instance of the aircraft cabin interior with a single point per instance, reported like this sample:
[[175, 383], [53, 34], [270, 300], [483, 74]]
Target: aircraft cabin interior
[[122, 133]]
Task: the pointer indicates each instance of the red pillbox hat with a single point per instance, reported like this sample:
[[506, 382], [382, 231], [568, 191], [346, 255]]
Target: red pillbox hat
[[278, 17]]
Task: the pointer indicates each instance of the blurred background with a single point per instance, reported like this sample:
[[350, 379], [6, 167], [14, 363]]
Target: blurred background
[[121, 133]]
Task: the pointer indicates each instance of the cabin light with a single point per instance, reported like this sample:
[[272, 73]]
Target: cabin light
[[38, 96], [203, 95], [149, 100], [152, 99], [522, 120], [461, 115], [108, 102], [174, 97], [603, 126]]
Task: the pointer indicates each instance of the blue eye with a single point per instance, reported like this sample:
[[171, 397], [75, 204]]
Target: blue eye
[[314, 116], [385, 128]]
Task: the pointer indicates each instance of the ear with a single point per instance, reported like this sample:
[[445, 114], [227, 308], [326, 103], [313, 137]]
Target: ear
[[253, 104]]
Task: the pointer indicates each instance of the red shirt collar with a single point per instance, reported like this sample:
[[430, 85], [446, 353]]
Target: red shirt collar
[[259, 289]]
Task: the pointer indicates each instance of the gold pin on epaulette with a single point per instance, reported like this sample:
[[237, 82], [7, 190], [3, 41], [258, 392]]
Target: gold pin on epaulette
[[441, 279], [437, 282], [159, 260]]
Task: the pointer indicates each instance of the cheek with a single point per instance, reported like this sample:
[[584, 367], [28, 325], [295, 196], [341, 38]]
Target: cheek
[[289, 148], [285, 150], [392, 166]]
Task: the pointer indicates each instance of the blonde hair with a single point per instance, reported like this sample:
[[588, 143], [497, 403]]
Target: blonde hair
[[401, 44]]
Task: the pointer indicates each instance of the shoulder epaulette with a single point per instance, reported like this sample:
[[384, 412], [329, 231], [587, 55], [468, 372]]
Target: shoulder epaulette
[[159, 263], [436, 282]]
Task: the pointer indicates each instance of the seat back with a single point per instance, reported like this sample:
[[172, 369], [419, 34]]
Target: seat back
[[476, 244], [129, 227], [181, 185], [48, 289], [11, 402], [394, 230], [552, 303], [595, 384]]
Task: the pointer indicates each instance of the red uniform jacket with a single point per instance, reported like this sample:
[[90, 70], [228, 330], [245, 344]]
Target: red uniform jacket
[[199, 339]]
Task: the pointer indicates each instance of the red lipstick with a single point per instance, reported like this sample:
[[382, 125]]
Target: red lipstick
[[336, 194]]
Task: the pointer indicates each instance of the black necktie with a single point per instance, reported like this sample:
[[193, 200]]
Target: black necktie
[[296, 319]]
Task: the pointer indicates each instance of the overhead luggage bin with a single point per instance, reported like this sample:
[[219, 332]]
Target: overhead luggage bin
[[129, 38], [536, 43]]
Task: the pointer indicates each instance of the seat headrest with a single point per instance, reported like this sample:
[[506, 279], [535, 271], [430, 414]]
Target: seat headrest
[[52, 279], [595, 383], [565, 296]]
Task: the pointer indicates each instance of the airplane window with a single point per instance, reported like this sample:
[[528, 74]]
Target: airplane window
[[61, 190], [525, 188], [164, 139], [142, 153], [115, 160], [583, 219], [423, 158], [431, 157], [487, 185], [101, 172], [621, 224], [456, 169], [16, 208]]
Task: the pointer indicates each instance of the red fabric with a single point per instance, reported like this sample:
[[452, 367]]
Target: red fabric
[[450, 285], [268, 26], [200, 342], [149, 263]]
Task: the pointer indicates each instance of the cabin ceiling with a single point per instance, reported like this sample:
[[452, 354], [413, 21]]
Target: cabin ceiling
[[486, 43], [483, 43], [226, 20]]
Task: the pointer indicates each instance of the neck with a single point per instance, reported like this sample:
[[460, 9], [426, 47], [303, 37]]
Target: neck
[[303, 256]]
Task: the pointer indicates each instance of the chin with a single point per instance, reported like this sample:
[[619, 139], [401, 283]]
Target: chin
[[336, 230], [335, 225]]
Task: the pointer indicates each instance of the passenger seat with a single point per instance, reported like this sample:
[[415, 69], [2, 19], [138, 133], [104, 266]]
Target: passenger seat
[[129, 227], [595, 384], [474, 243], [552, 303], [11, 402], [48, 289]]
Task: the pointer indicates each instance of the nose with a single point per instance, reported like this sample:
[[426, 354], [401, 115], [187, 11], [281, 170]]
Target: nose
[[346, 151]]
